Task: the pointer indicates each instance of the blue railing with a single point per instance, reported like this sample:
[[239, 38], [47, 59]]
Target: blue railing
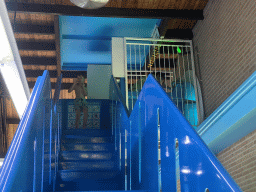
[[31, 161], [155, 139]]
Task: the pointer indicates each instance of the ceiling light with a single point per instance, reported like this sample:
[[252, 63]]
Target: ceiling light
[[9, 70], [90, 4]]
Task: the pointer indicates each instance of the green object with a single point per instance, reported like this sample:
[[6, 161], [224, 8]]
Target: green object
[[179, 50]]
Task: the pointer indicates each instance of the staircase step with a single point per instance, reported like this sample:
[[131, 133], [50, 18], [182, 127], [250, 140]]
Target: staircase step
[[108, 147], [67, 176], [88, 166], [87, 132], [83, 139], [107, 191], [82, 155]]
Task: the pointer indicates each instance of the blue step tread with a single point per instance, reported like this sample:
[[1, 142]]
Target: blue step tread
[[106, 191], [87, 147], [85, 139], [86, 155], [66, 176], [87, 132], [86, 166]]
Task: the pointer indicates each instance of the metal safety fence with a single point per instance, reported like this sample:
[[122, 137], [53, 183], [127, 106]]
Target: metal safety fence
[[171, 63]]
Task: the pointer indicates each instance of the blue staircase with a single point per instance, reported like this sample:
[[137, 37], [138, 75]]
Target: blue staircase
[[150, 149], [88, 161]]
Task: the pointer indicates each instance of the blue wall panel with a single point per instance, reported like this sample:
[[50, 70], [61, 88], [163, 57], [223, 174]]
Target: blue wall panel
[[87, 40]]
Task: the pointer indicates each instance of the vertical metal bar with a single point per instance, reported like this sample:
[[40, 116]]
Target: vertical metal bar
[[170, 81], [115, 128], [192, 103], [140, 71], [190, 94], [159, 150], [177, 164], [130, 155], [145, 67], [155, 59], [34, 175], [113, 110], [165, 69], [179, 76], [149, 47], [125, 159], [185, 90], [175, 77], [194, 78], [136, 73], [42, 179], [159, 65], [120, 144], [131, 77], [140, 142], [126, 72]]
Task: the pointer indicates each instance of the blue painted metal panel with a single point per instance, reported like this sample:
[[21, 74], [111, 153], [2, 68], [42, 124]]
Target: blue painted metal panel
[[199, 168], [28, 164], [81, 45], [107, 27], [233, 119]]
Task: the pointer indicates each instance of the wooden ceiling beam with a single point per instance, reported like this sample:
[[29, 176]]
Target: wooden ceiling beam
[[38, 60], [105, 11], [33, 28], [31, 85], [53, 73], [25, 45], [179, 34], [12, 121]]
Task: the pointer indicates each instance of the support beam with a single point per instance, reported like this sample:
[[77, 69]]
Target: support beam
[[25, 45], [12, 121], [53, 73], [163, 27], [53, 85], [32, 28], [179, 34], [38, 60], [57, 43], [105, 11]]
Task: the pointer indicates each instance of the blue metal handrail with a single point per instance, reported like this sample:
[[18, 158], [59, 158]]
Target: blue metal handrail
[[29, 164], [149, 139]]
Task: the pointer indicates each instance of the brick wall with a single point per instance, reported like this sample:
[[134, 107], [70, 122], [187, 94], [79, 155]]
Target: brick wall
[[226, 44], [240, 161]]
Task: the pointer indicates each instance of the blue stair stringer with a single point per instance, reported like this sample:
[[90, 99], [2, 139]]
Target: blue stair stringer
[[161, 148]]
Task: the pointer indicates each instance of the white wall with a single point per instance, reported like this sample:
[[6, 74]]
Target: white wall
[[118, 57], [98, 79]]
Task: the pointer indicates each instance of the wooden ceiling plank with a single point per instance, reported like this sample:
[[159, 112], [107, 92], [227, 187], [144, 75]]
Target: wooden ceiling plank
[[182, 4], [172, 4], [107, 11], [34, 37], [140, 4], [165, 4], [33, 28], [53, 73], [197, 5], [25, 45], [53, 85], [38, 60], [119, 2], [33, 53]]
